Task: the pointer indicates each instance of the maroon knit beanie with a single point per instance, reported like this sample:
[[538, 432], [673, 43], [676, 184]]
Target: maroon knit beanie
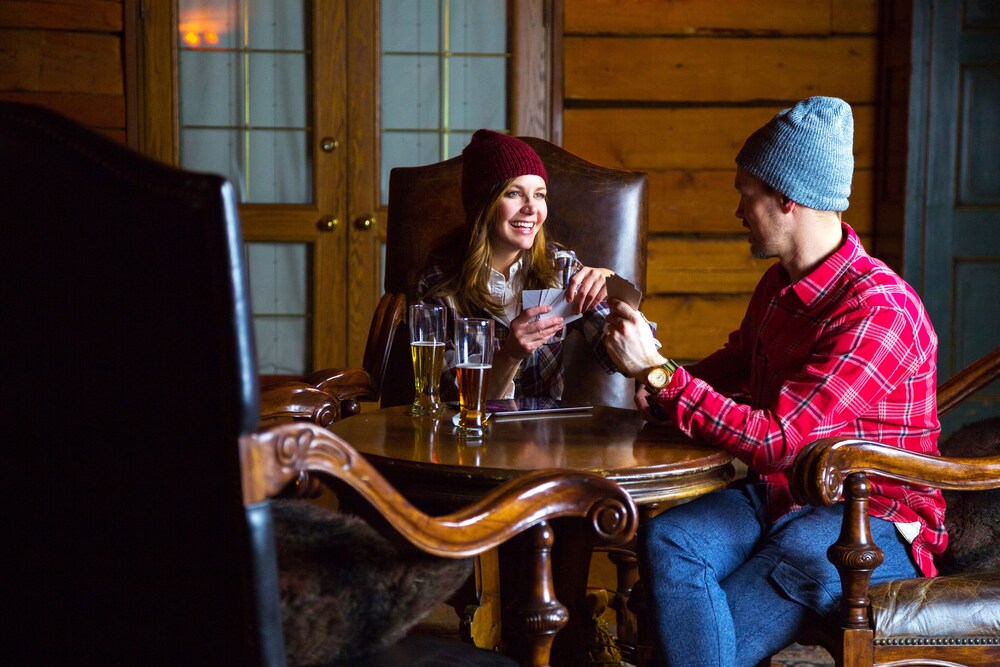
[[491, 158]]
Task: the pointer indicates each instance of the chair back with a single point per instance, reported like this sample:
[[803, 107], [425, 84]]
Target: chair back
[[598, 212], [129, 377]]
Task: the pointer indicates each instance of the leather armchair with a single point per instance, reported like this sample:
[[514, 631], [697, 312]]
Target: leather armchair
[[952, 619], [140, 482], [598, 212]]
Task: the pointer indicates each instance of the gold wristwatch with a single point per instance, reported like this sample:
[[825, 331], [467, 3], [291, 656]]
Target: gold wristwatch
[[658, 377]]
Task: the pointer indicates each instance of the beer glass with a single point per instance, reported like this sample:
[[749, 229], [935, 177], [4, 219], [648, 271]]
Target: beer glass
[[427, 336], [473, 361]]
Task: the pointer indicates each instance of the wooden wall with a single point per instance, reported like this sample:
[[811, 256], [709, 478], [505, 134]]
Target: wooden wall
[[673, 88], [66, 55]]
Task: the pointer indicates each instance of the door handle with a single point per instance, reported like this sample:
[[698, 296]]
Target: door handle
[[364, 224]]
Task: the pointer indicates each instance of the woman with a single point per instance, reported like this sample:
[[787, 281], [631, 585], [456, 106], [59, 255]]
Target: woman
[[505, 252]]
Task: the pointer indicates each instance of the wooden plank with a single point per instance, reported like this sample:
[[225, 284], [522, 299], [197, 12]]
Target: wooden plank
[[683, 138], [82, 15], [688, 265], [67, 62], [659, 17], [713, 69], [854, 16], [692, 327], [105, 111], [693, 265], [702, 202]]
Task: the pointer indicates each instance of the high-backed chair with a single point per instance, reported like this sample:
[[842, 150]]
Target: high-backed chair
[[139, 528], [951, 619], [598, 212]]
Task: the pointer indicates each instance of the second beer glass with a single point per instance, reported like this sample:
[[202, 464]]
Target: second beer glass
[[427, 336], [473, 361]]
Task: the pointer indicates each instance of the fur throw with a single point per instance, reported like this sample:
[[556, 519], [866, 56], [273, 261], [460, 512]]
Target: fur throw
[[345, 589], [973, 517]]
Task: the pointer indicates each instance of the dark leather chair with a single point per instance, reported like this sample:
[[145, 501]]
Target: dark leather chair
[[140, 530], [598, 212], [951, 619]]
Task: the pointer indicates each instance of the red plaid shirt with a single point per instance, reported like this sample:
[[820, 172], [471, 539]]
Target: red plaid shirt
[[847, 351]]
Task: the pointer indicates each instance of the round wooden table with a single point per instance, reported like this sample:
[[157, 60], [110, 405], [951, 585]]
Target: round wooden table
[[437, 470], [424, 457]]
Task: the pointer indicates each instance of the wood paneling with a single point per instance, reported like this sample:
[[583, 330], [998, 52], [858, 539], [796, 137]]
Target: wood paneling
[[674, 88], [688, 201], [683, 138], [705, 69], [66, 55], [82, 15], [644, 17], [691, 327]]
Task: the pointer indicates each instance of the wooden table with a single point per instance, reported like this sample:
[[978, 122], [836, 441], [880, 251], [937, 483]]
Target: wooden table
[[437, 470]]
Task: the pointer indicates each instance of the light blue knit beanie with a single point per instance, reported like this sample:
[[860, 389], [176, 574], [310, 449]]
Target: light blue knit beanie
[[806, 153]]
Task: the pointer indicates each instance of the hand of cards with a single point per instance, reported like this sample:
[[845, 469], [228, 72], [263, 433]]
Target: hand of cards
[[617, 287]]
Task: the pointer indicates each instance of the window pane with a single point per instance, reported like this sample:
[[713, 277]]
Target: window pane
[[431, 82], [216, 152], [277, 278], [278, 90], [477, 26], [477, 92], [281, 346], [411, 25], [211, 88], [247, 93], [278, 171], [276, 24], [411, 92]]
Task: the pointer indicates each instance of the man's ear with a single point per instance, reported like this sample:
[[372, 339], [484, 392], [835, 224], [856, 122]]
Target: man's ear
[[787, 205]]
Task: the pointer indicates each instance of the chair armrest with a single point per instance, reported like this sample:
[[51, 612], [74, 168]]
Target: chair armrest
[[289, 401], [818, 478], [818, 473], [272, 458], [968, 381]]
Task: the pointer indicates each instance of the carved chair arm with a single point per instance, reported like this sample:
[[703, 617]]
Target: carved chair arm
[[819, 471], [272, 458], [833, 467]]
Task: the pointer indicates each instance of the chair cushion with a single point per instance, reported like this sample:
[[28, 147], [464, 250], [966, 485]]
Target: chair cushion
[[345, 589], [963, 609], [973, 517]]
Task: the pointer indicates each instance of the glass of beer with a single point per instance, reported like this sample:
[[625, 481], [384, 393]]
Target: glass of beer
[[473, 361], [427, 336]]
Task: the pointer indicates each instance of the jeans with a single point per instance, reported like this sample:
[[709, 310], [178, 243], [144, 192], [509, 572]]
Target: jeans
[[728, 587]]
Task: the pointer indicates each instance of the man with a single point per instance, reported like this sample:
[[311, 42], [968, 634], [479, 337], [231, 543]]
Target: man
[[832, 343]]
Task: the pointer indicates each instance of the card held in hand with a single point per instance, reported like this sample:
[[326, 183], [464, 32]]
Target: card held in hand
[[623, 289]]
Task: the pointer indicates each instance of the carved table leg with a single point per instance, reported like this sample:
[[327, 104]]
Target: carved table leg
[[627, 568], [535, 616]]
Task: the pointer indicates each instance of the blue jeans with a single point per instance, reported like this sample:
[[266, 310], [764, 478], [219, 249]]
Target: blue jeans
[[728, 587]]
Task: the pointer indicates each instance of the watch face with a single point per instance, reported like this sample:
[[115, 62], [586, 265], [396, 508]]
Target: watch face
[[657, 377]]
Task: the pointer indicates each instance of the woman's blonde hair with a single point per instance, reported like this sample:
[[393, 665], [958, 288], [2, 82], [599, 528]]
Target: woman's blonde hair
[[468, 281]]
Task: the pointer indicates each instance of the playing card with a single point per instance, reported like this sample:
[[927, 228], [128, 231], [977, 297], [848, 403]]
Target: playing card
[[562, 308], [622, 289], [531, 298]]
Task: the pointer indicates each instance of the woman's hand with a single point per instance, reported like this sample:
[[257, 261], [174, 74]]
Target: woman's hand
[[587, 288], [527, 334]]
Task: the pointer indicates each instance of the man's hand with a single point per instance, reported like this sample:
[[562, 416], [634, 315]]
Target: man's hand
[[587, 288], [629, 341], [649, 412]]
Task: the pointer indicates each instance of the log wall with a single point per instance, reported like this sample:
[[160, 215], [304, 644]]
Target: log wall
[[673, 88], [66, 55]]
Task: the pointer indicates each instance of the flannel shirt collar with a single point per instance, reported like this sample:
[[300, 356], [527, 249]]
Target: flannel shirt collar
[[821, 282]]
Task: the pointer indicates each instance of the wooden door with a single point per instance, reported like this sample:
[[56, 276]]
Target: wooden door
[[331, 262], [954, 233]]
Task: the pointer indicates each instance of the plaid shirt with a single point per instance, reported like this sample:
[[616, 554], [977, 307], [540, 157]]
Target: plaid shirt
[[847, 351], [540, 374]]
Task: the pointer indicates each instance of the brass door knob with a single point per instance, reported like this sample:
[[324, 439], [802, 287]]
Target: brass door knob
[[328, 223], [365, 223], [328, 144]]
